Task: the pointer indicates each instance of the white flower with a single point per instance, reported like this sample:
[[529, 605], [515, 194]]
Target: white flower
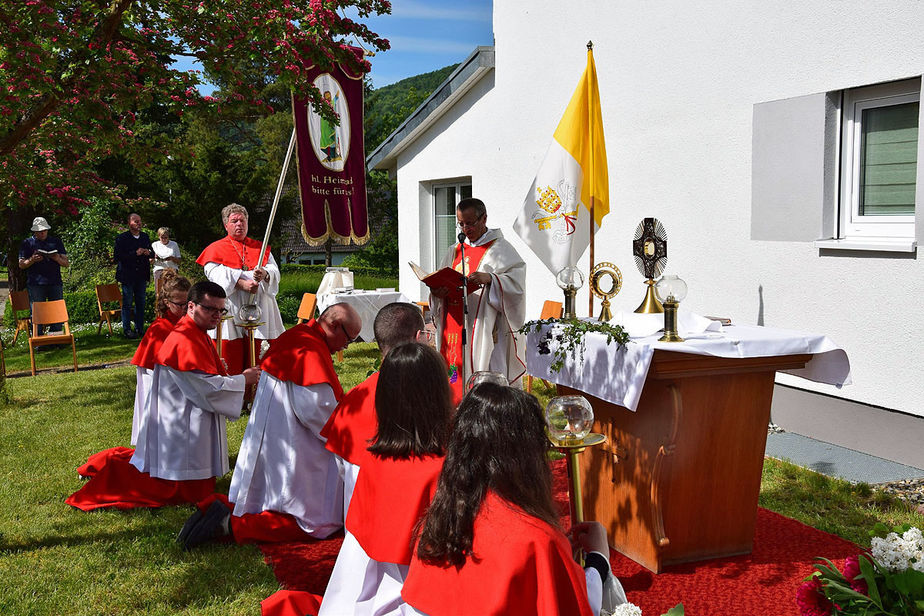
[[899, 553], [627, 609]]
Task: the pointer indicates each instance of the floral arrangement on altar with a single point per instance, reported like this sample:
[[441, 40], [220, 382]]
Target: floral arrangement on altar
[[886, 581]]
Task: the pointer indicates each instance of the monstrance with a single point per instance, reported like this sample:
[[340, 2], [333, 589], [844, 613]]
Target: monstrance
[[597, 274], [650, 249]]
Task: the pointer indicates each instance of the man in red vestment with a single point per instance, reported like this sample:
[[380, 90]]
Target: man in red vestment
[[231, 262], [353, 424], [495, 311], [182, 443], [286, 485]]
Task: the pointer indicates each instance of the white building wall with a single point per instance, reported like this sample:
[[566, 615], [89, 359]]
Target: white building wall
[[678, 83]]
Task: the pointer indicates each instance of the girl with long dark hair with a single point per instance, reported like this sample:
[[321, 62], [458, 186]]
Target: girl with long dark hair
[[395, 483], [490, 542]]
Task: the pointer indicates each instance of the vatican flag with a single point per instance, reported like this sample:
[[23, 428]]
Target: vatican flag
[[571, 183]]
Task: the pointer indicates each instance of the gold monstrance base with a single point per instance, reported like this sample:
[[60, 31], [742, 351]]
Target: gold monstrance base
[[650, 305]]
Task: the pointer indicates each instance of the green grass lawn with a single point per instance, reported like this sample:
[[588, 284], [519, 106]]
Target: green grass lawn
[[55, 559]]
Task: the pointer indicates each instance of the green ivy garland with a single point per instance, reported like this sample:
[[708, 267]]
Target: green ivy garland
[[569, 334]]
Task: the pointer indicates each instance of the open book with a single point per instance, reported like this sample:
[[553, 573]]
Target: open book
[[446, 277], [46, 252]]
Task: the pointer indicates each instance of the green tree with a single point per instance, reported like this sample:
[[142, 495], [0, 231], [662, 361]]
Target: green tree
[[81, 76]]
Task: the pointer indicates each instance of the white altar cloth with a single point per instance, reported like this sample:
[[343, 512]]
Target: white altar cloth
[[618, 375], [366, 303]]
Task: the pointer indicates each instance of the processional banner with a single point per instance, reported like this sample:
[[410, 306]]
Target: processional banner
[[331, 161], [572, 182]]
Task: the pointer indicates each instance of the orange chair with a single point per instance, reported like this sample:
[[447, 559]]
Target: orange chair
[[107, 294], [306, 308], [19, 301], [50, 313], [550, 310], [2, 359]]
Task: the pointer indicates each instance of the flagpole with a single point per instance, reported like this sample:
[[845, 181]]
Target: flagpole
[[272, 216], [590, 296]]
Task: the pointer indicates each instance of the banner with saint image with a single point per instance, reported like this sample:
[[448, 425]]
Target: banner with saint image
[[331, 161]]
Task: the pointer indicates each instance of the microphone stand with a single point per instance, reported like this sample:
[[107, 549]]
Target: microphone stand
[[461, 238]]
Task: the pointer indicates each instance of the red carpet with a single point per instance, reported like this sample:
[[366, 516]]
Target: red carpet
[[763, 582]]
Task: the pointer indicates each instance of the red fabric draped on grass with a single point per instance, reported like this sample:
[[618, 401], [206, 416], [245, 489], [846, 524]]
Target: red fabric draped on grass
[[763, 582]]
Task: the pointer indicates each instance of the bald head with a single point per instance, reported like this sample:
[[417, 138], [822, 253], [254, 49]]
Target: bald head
[[341, 325], [396, 324]]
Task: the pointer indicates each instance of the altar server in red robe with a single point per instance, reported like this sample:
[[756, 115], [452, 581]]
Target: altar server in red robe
[[352, 426], [395, 484], [286, 485], [490, 542], [182, 443], [169, 307], [231, 262]]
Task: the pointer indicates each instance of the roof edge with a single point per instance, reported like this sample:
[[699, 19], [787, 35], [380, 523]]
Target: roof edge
[[466, 75]]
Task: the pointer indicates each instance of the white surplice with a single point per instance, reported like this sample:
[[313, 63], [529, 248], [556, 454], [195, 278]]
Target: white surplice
[[496, 311], [283, 465], [227, 277], [142, 387], [183, 431], [380, 591]]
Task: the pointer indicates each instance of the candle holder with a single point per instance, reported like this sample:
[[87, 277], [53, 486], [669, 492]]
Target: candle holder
[[569, 280], [569, 420], [671, 290], [485, 376]]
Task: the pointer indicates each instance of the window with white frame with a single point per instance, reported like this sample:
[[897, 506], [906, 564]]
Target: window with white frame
[[445, 198], [879, 146]]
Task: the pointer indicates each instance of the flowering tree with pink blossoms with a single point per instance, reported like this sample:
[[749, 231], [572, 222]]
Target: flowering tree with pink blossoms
[[77, 77]]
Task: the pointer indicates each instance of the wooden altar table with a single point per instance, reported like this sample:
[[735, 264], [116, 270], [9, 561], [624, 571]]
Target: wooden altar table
[[679, 476]]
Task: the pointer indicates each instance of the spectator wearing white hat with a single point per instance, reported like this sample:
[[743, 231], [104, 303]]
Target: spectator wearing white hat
[[42, 256]]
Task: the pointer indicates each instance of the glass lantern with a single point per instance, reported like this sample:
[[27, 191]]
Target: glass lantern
[[485, 376], [569, 419], [250, 313], [670, 290], [569, 279]]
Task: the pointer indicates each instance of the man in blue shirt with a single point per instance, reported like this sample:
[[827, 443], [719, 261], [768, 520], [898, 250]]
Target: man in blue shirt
[[133, 254], [42, 258]]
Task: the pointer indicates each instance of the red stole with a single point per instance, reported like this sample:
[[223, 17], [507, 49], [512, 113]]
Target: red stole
[[301, 356], [390, 497], [353, 423], [521, 566], [234, 254], [189, 348], [146, 354], [451, 340]]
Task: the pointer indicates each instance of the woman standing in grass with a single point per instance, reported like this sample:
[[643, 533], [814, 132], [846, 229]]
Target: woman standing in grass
[[395, 484], [490, 542]]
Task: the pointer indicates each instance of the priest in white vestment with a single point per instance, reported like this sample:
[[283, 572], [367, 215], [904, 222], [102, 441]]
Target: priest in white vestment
[[496, 310]]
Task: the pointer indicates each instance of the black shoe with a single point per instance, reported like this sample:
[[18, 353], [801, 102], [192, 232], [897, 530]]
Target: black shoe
[[188, 526], [130, 335], [215, 523]]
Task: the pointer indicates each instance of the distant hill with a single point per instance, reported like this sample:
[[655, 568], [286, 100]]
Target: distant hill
[[388, 106]]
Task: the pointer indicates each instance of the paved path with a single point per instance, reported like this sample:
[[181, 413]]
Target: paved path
[[836, 461], [4, 294]]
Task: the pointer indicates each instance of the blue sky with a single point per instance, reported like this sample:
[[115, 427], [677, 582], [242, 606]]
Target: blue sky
[[426, 35]]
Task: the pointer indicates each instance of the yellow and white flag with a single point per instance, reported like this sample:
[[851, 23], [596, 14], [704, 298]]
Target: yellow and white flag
[[571, 183]]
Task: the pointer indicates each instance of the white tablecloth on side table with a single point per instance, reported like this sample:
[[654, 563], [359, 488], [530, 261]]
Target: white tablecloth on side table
[[618, 375], [367, 303]]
